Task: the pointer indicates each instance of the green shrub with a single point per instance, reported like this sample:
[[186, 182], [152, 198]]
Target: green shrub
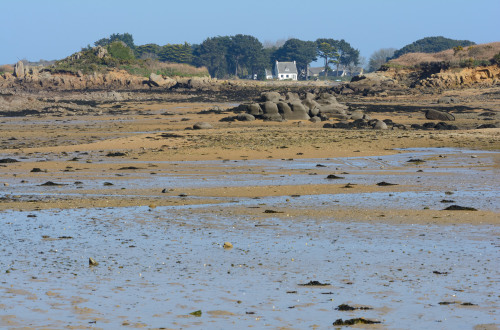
[[472, 63], [496, 59], [120, 51]]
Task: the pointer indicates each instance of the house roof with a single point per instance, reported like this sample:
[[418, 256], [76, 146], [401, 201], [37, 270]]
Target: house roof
[[286, 67], [313, 71]]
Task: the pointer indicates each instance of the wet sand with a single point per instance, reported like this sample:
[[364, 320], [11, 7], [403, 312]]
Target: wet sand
[[156, 217]]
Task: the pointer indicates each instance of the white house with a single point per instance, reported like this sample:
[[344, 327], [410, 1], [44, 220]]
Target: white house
[[286, 70], [269, 74]]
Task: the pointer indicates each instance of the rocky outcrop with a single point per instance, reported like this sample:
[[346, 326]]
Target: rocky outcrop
[[160, 81], [372, 84], [466, 77], [277, 107], [19, 70], [38, 79]]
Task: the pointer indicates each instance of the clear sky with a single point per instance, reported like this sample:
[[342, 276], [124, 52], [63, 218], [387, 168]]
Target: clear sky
[[54, 29]]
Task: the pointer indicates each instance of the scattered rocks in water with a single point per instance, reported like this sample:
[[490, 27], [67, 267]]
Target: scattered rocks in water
[[314, 283], [345, 307], [272, 211], [8, 160], [183, 195], [439, 273], [164, 191], [92, 262], [108, 184], [129, 168], [416, 160], [37, 170], [355, 321], [52, 184], [383, 184], [349, 185], [227, 245], [196, 313], [116, 154], [170, 135], [334, 177], [447, 201], [456, 302], [459, 208]]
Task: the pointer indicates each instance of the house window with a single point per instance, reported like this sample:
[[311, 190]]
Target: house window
[[282, 76]]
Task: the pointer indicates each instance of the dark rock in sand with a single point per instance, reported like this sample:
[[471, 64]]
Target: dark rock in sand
[[448, 100], [315, 119], [52, 184], [314, 283], [459, 208], [334, 177], [439, 115], [345, 307], [384, 184], [116, 154], [487, 126], [8, 160], [355, 321], [245, 117], [202, 125]]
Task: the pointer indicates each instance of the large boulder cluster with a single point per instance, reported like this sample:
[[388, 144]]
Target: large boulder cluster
[[372, 84], [277, 107]]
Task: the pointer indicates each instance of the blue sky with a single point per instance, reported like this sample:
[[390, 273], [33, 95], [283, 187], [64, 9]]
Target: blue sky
[[54, 29]]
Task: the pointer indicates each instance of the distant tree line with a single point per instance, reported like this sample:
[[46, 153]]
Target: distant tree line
[[424, 45], [244, 55]]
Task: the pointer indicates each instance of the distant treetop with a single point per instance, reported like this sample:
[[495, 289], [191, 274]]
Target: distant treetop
[[431, 45]]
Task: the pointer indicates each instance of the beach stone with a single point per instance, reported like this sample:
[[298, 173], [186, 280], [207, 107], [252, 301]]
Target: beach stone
[[487, 126], [380, 125], [315, 119], [439, 115], [290, 96], [357, 115], [245, 117], [270, 108], [202, 125], [227, 245], [254, 109], [270, 96], [298, 111], [92, 262], [311, 105], [271, 111], [448, 100], [158, 81]]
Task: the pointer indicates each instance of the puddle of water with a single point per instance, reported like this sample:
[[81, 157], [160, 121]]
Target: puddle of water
[[156, 267]]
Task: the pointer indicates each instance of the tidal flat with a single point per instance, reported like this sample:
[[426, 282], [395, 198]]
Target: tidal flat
[[391, 253]]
